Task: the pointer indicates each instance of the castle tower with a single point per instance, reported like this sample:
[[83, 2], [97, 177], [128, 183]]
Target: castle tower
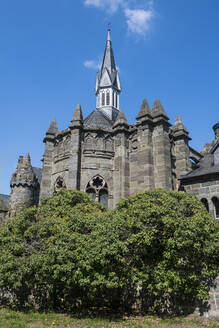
[[24, 186], [108, 86]]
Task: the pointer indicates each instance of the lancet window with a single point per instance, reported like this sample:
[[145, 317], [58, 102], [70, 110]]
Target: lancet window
[[97, 188], [103, 98], [107, 98], [215, 201], [205, 203]]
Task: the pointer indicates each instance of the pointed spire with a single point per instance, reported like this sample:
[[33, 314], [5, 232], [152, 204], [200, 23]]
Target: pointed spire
[[53, 129], [144, 110], [19, 163], [77, 116], [26, 161], [108, 59], [20, 160], [178, 125], [158, 109], [121, 120]]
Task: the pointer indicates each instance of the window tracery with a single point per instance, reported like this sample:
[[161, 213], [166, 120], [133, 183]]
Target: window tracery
[[98, 189], [59, 184]]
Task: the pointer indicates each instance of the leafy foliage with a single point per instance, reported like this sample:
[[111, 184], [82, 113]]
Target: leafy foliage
[[157, 250], [174, 244]]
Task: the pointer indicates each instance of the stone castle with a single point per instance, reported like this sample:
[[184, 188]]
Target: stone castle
[[110, 159]]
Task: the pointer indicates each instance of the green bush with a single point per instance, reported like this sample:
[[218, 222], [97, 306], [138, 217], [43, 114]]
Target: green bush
[[174, 245], [157, 250]]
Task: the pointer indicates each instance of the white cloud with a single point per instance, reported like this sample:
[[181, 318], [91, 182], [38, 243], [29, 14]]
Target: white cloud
[[111, 5], [138, 13], [138, 20], [92, 64]]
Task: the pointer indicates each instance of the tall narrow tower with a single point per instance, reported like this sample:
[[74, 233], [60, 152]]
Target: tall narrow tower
[[108, 85]]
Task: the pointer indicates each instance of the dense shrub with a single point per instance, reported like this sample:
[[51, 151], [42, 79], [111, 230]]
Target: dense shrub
[[157, 250], [173, 243]]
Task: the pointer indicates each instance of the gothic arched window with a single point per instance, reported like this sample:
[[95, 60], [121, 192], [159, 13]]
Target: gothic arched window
[[103, 98], [215, 201], [205, 202], [59, 184], [103, 197], [98, 189]]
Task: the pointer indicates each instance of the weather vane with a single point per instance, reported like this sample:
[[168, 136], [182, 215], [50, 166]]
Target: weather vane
[[109, 25]]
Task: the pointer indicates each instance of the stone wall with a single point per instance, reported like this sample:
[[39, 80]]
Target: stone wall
[[204, 188], [214, 300]]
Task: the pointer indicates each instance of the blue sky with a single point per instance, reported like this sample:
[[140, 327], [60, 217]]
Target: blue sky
[[50, 51]]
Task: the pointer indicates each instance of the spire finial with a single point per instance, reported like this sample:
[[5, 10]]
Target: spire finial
[[109, 34]]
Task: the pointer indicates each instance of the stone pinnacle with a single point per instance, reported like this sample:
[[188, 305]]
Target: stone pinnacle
[[158, 109], [121, 119], [144, 110], [53, 129], [178, 125], [77, 116]]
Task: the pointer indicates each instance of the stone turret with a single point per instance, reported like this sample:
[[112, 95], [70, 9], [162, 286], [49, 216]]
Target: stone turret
[[24, 186]]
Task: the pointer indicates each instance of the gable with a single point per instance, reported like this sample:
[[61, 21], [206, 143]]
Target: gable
[[105, 79]]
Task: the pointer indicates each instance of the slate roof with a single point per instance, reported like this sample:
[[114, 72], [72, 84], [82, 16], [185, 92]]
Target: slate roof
[[205, 166], [98, 119], [4, 200], [108, 76], [38, 172]]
